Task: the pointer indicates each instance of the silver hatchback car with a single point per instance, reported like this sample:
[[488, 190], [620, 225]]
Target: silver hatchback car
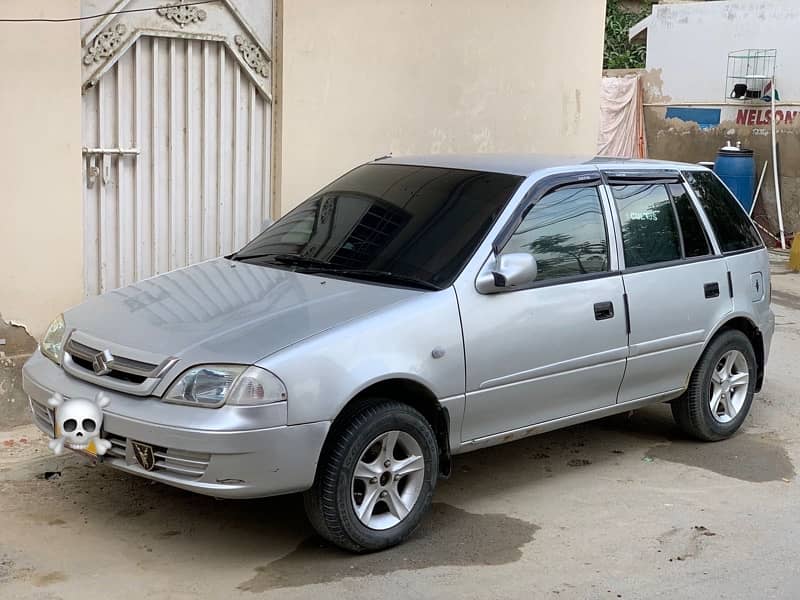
[[418, 308]]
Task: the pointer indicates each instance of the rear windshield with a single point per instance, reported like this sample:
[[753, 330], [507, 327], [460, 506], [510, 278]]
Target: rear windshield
[[732, 226], [416, 222]]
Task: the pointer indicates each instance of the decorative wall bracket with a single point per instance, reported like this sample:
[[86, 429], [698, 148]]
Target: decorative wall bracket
[[105, 44], [252, 55], [181, 13]]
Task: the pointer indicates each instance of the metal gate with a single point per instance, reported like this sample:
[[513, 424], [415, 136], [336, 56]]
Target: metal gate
[[177, 121]]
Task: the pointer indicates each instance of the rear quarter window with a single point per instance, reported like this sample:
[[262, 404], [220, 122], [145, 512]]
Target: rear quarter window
[[732, 226]]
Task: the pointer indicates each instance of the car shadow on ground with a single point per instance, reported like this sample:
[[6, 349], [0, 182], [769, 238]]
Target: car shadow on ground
[[274, 535]]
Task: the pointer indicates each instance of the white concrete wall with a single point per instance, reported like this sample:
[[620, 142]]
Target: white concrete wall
[[41, 211], [690, 43], [363, 78]]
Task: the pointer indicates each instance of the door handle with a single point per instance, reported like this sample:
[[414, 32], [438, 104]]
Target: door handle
[[603, 311], [711, 290]]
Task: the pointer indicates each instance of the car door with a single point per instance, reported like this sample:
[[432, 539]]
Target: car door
[[557, 345], [676, 284]]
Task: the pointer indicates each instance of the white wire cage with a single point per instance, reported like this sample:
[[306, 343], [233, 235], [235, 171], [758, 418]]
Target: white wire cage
[[750, 74]]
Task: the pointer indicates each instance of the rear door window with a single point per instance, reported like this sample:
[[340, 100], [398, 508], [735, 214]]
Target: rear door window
[[650, 232], [732, 226]]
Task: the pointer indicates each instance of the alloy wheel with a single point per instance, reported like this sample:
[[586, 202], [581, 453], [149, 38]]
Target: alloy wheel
[[729, 384], [387, 480]]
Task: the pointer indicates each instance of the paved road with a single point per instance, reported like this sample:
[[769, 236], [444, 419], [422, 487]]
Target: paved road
[[621, 508]]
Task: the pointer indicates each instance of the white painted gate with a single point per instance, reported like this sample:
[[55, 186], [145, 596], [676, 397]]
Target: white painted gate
[[177, 122]]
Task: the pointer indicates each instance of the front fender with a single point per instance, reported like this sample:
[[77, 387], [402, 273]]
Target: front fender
[[324, 372]]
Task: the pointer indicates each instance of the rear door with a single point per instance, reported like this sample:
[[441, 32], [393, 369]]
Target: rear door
[[745, 254], [675, 282]]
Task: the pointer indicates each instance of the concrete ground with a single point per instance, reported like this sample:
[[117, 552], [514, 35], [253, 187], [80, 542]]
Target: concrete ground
[[620, 508]]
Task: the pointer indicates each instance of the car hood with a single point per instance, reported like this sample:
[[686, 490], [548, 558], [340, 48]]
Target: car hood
[[225, 311]]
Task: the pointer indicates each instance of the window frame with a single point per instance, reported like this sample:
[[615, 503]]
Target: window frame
[[540, 189], [665, 178]]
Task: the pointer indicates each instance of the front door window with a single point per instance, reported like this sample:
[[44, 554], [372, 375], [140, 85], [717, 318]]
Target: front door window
[[566, 233]]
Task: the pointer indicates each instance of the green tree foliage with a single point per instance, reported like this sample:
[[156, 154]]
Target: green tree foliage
[[619, 52]]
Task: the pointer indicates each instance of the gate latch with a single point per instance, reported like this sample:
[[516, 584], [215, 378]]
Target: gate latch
[[93, 170]]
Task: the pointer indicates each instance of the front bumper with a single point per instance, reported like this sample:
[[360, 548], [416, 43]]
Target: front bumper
[[224, 454]]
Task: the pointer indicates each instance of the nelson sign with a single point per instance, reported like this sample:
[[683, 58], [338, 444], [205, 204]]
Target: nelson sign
[[758, 117]]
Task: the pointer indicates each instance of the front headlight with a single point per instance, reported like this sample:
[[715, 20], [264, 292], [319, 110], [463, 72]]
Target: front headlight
[[214, 385], [53, 340]]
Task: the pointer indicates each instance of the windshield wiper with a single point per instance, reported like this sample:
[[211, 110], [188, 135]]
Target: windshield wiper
[[386, 276], [316, 265], [286, 259]]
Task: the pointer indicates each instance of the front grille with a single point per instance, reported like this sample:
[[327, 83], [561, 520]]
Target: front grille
[[125, 374], [115, 373], [43, 416], [123, 368], [120, 362], [177, 463]]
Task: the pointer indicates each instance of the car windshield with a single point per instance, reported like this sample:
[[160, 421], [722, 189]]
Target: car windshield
[[384, 222]]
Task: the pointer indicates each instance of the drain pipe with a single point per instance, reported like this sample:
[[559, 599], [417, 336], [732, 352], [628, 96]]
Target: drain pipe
[[775, 170]]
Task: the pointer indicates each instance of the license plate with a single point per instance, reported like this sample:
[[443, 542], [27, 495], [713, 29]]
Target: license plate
[[90, 450]]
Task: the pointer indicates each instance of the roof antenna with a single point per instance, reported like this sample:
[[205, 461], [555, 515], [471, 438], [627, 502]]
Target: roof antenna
[[384, 157]]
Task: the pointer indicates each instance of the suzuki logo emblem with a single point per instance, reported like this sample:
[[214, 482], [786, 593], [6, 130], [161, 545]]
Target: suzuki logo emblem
[[103, 362]]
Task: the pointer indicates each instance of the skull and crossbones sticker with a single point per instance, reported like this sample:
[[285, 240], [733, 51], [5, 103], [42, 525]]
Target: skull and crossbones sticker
[[78, 423]]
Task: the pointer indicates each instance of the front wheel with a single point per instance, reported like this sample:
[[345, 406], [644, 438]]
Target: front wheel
[[720, 390], [376, 479]]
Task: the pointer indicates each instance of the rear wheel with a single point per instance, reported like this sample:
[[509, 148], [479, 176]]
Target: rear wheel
[[376, 479], [720, 390]]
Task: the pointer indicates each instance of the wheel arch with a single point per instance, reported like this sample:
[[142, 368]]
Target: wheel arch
[[743, 323], [407, 391]]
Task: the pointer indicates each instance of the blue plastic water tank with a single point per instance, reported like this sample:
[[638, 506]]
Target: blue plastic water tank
[[737, 168]]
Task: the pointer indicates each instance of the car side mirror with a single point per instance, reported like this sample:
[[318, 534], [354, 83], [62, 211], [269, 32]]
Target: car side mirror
[[507, 272], [266, 224]]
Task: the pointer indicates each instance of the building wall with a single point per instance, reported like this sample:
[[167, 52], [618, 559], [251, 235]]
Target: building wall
[[687, 56], [691, 42], [364, 78], [41, 162], [40, 169]]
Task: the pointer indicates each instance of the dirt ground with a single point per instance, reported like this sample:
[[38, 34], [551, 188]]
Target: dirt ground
[[620, 508]]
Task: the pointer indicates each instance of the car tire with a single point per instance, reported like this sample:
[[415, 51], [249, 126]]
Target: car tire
[[720, 390], [375, 478]]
